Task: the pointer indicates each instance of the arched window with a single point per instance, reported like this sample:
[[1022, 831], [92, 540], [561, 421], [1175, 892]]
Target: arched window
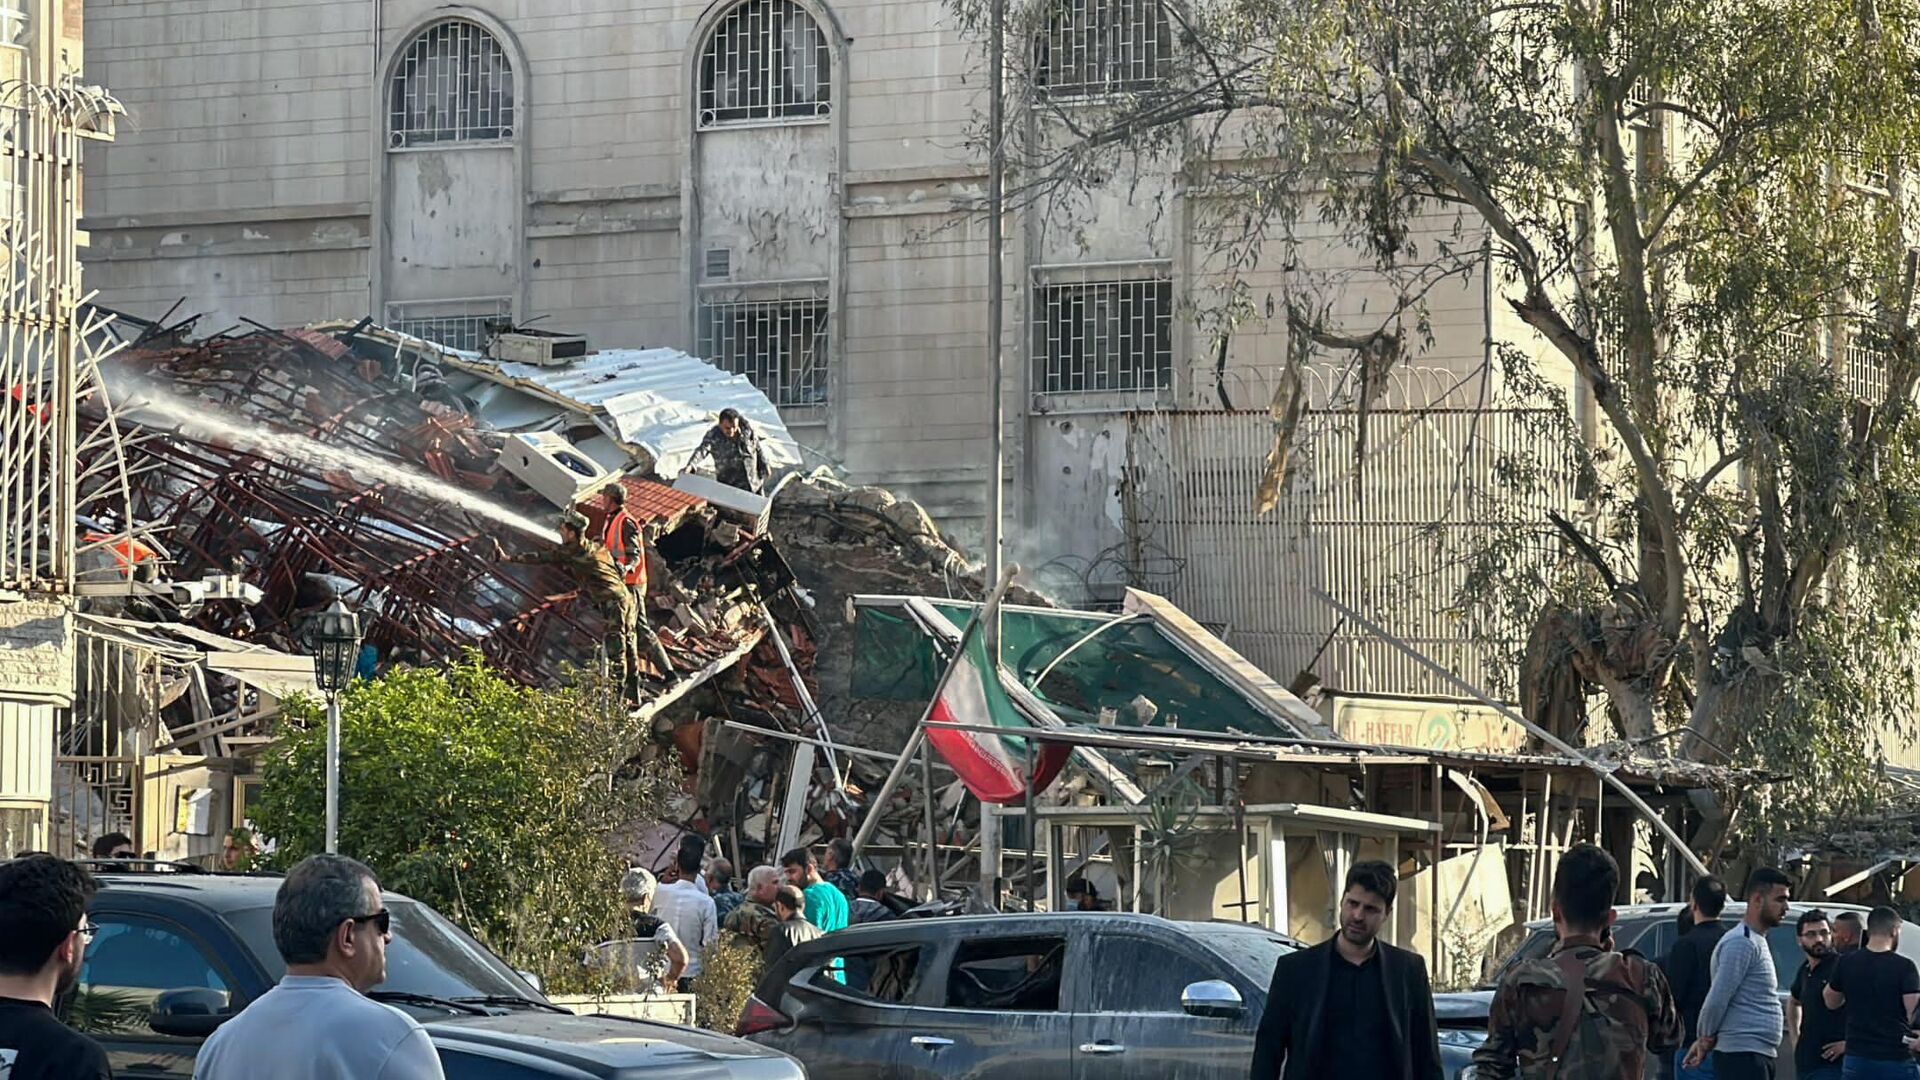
[[1093, 48], [453, 84], [767, 60]]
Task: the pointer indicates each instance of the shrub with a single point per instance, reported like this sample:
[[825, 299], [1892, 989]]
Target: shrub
[[488, 800]]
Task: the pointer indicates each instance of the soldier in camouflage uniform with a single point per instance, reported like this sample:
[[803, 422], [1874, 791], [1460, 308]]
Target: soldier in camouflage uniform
[[738, 460], [1624, 1013], [604, 586], [755, 919]]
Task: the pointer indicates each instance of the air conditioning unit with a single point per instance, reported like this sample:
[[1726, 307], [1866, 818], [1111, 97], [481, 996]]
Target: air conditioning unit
[[536, 347], [552, 466]]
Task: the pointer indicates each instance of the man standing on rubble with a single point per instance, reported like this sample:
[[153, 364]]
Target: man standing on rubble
[[601, 582], [738, 460], [626, 541]]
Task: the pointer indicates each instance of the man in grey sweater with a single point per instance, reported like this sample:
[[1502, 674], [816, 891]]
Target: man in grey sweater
[[1740, 1022]]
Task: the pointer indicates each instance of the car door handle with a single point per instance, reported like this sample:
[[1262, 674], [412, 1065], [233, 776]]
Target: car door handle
[[930, 1042], [1102, 1048]]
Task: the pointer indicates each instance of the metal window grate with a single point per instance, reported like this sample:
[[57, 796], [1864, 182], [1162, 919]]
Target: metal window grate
[[1866, 360], [453, 84], [780, 344], [1862, 171], [1092, 48], [766, 61], [457, 324], [1098, 336]]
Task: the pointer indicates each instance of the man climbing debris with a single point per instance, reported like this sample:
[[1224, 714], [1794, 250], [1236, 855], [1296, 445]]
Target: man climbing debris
[[738, 460], [626, 541], [602, 583]]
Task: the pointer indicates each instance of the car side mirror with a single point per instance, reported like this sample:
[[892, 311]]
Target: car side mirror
[[192, 1013], [1214, 998], [533, 980]]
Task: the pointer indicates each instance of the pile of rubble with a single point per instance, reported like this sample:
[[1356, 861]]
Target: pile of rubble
[[755, 613]]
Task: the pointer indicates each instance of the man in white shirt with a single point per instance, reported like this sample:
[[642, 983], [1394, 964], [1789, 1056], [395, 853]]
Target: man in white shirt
[[332, 930], [690, 912]]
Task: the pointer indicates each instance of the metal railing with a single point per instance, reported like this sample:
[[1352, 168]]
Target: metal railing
[[457, 324], [1095, 48], [766, 61], [776, 335], [453, 84]]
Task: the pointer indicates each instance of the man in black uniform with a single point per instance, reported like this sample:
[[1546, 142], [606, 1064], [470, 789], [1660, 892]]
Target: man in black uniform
[[43, 906]]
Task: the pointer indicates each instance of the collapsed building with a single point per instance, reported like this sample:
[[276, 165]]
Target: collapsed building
[[286, 469]]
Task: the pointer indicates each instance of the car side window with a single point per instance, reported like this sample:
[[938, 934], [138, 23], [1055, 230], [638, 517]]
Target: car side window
[[131, 961], [1139, 975], [1008, 974], [888, 975]]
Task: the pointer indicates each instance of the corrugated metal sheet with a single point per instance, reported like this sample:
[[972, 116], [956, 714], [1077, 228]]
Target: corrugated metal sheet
[[26, 752], [1394, 541], [658, 402], [661, 401]]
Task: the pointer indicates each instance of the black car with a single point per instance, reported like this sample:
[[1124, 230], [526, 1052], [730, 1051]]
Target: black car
[[1065, 996], [178, 953]]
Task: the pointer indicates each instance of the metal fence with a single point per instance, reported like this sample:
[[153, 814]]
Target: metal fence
[[1393, 532], [453, 84], [766, 61]]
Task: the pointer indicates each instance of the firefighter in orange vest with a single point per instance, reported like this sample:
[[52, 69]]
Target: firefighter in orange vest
[[627, 542]]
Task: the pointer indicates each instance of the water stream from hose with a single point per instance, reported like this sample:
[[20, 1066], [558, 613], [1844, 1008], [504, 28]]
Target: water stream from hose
[[199, 418]]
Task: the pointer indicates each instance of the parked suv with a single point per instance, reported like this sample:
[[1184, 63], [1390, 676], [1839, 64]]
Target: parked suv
[[179, 951], [1066, 996], [1651, 930]]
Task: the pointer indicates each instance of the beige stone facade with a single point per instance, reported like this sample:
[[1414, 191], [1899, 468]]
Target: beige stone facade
[[649, 171]]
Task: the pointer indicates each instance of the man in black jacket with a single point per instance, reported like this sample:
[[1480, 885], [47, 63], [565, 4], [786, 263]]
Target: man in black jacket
[[1354, 1005], [1689, 966]]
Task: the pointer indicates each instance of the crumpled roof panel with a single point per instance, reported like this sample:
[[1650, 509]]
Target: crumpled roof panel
[[660, 400]]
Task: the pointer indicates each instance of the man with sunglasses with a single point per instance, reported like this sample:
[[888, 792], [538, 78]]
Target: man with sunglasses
[[332, 929], [43, 909]]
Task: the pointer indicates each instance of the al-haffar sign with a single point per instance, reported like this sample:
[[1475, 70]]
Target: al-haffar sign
[[1424, 725], [36, 652]]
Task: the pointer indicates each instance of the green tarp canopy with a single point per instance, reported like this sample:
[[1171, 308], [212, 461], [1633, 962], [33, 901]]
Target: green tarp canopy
[[895, 660]]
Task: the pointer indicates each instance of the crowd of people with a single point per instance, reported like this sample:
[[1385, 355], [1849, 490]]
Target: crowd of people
[[1357, 1006], [677, 925]]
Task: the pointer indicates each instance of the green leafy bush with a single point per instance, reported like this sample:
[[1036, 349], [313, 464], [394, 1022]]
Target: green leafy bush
[[490, 801]]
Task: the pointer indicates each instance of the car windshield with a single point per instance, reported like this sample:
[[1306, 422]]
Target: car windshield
[[428, 955], [1254, 954]]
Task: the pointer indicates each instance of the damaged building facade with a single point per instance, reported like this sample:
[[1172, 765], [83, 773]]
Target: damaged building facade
[[791, 189]]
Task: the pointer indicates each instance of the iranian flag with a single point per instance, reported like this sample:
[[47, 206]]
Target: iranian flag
[[994, 767]]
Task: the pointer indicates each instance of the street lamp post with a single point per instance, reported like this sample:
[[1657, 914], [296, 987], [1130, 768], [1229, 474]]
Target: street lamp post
[[335, 637]]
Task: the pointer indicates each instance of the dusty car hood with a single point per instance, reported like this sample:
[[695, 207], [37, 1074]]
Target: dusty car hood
[[615, 1047]]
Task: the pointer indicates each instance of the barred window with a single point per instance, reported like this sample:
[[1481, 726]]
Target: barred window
[[779, 341], [1096, 336], [766, 61], [1092, 48], [1863, 170], [453, 84], [457, 324]]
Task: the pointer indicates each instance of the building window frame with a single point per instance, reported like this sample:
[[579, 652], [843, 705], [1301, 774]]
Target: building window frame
[[782, 59], [1113, 48], [1102, 329], [779, 334], [455, 66]]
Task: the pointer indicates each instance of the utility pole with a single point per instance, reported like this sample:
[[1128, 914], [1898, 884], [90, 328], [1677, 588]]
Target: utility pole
[[996, 390]]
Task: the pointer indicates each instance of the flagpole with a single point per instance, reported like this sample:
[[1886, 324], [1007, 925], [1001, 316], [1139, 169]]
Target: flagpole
[[900, 764]]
